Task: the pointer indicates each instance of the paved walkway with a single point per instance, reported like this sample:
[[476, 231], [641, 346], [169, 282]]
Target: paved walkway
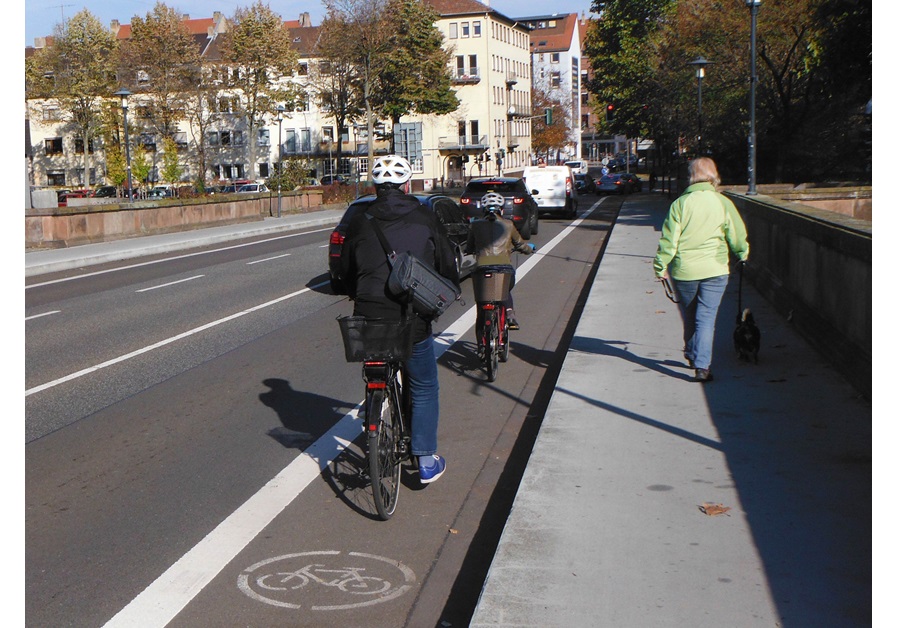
[[607, 528]]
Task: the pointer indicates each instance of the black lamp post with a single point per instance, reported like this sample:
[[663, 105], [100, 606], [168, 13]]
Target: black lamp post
[[123, 93], [752, 136], [700, 64], [280, 110]]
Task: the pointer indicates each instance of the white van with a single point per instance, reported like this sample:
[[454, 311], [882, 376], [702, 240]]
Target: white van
[[578, 167], [552, 187]]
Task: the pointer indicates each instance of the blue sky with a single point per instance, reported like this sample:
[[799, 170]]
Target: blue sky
[[41, 16]]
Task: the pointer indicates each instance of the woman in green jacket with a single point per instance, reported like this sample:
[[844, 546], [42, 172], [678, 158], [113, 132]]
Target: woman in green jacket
[[701, 229]]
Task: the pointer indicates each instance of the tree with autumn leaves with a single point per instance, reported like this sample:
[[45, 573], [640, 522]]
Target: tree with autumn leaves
[[814, 81]]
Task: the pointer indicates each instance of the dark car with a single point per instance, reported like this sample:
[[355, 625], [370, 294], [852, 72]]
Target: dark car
[[447, 211], [584, 184], [334, 179], [106, 191], [519, 207], [634, 181], [612, 184]]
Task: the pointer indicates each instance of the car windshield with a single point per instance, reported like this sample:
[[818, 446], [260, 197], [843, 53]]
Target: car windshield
[[505, 188]]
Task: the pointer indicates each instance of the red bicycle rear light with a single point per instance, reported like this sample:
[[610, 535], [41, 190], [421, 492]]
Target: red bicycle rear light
[[465, 201]]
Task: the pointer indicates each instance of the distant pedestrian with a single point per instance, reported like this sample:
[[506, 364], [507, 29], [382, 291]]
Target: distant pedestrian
[[700, 230]]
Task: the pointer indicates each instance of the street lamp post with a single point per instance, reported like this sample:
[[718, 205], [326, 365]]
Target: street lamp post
[[752, 136], [700, 64], [123, 93], [280, 110]]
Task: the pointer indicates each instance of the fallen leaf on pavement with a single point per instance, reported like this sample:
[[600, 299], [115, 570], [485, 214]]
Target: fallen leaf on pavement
[[713, 509]]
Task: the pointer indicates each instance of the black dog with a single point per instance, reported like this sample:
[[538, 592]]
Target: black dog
[[747, 336]]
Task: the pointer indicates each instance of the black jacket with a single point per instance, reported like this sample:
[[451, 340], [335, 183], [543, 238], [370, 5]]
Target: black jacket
[[408, 226]]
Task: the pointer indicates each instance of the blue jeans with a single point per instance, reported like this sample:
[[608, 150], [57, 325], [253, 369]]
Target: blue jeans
[[424, 386], [700, 301]]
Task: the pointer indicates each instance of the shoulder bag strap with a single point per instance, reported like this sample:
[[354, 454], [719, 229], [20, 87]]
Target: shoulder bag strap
[[391, 254]]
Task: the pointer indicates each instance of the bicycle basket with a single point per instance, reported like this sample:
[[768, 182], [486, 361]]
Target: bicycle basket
[[375, 339], [492, 285]]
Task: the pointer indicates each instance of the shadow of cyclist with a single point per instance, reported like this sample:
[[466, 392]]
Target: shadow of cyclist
[[304, 416]]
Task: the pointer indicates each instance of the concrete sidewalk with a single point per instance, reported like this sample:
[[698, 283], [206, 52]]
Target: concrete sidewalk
[[607, 528]]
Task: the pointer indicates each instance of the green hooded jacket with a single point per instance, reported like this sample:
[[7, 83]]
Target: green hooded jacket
[[700, 230]]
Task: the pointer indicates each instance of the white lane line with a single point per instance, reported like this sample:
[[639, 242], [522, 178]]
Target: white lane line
[[170, 283], [28, 318], [168, 341], [174, 257], [167, 596], [268, 259]]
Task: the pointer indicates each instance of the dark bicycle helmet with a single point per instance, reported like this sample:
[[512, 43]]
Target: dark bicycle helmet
[[492, 203], [391, 169]]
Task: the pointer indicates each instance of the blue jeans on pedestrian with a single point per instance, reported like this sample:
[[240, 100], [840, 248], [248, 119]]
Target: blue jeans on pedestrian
[[700, 301], [424, 386]]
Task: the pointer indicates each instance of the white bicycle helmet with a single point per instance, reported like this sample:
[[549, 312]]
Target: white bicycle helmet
[[492, 203], [391, 169]]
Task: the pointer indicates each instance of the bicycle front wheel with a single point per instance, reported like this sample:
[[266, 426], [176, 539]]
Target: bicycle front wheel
[[383, 456]]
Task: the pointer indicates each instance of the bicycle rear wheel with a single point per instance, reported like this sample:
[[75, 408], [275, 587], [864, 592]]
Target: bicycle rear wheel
[[504, 342], [491, 351], [383, 451]]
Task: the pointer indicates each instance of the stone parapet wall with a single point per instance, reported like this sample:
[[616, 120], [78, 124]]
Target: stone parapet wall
[[84, 224], [816, 267]]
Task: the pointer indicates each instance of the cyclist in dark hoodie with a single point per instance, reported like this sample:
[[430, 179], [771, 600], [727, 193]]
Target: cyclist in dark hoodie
[[408, 226]]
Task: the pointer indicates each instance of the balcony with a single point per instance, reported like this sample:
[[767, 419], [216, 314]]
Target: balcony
[[511, 78], [463, 143], [470, 76]]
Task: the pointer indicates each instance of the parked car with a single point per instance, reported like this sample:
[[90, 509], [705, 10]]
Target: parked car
[[578, 167], [106, 191], [63, 196], [333, 179], [520, 207], [447, 211], [612, 184], [252, 188], [633, 181], [584, 183], [552, 187]]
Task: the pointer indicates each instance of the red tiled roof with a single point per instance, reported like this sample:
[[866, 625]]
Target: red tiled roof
[[557, 38]]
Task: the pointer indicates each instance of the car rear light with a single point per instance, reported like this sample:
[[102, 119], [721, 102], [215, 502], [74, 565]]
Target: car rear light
[[465, 201], [337, 238], [518, 200]]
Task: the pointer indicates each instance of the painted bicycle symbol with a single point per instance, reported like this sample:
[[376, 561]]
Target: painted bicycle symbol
[[322, 581], [348, 580]]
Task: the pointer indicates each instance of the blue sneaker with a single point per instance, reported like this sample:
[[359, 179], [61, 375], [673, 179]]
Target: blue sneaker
[[431, 473]]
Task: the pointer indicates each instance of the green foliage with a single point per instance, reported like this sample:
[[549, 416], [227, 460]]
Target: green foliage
[[171, 167], [294, 173], [814, 78], [141, 165]]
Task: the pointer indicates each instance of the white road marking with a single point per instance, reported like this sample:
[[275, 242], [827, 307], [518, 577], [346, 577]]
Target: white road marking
[[168, 341], [28, 318], [268, 259], [174, 257], [170, 283]]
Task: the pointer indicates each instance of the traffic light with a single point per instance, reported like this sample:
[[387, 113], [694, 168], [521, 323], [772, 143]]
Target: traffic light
[[548, 116], [609, 113]]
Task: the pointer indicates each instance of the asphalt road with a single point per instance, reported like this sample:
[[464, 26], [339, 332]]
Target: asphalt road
[[189, 442]]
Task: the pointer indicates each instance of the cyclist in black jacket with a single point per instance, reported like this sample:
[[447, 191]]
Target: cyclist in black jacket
[[408, 226]]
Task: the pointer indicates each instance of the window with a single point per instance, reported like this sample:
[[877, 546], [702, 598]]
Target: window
[[555, 57], [237, 138], [475, 132], [476, 27], [264, 170], [460, 65], [408, 138], [225, 138], [79, 175], [305, 136], [264, 137], [453, 30], [51, 114], [79, 146], [290, 142], [55, 177], [180, 140], [212, 138], [465, 29], [556, 79], [462, 140], [327, 134], [472, 64], [53, 145], [148, 141]]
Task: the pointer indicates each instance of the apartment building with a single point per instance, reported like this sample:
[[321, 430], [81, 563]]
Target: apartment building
[[555, 52], [488, 134]]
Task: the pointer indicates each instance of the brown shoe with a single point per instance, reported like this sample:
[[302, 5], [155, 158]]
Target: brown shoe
[[703, 375]]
